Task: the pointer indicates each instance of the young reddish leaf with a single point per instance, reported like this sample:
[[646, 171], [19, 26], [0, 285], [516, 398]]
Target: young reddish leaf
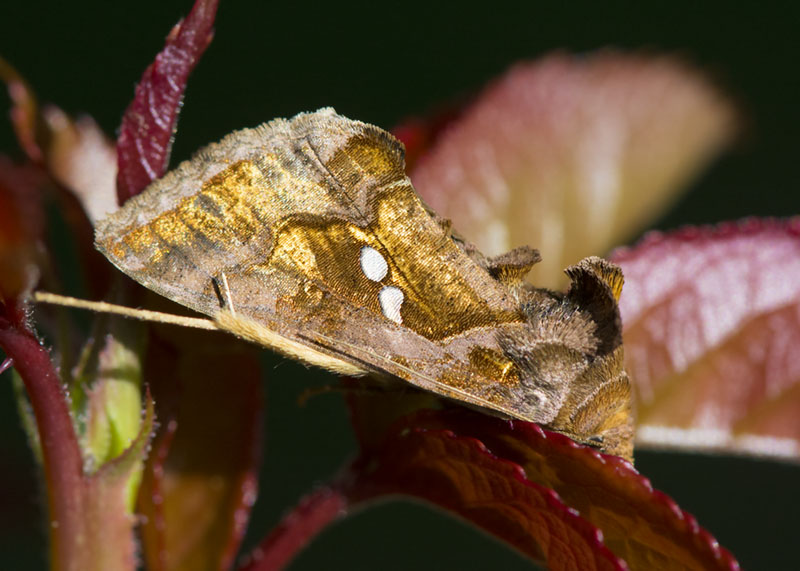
[[145, 136], [76, 153], [201, 481], [82, 159], [78, 158], [419, 135], [24, 111], [640, 525], [21, 227], [459, 475], [712, 322], [573, 155]]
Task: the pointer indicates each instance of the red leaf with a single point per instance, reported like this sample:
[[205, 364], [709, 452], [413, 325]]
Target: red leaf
[[82, 159], [460, 475], [640, 525], [201, 481], [21, 227], [145, 137], [313, 514], [712, 322], [79, 159], [24, 111], [515, 480], [419, 135], [572, 155], [76, 154]]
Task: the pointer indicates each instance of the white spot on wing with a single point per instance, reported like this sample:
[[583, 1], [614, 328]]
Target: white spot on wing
[[391, 299], [373, 264]]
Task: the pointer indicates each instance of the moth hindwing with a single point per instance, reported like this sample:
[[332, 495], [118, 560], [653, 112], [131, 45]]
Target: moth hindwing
[[305, 235]]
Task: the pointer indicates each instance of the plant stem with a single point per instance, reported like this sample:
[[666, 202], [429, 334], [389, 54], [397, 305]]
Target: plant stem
[[63, 464]]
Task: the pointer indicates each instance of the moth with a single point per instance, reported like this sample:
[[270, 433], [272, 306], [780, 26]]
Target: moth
[[306, 236]]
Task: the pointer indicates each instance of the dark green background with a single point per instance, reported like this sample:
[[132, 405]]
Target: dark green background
[[380, 63]]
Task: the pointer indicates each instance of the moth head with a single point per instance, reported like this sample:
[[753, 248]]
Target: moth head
[[570, 359]]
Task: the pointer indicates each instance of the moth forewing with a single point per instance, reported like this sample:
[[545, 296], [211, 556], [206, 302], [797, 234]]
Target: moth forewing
[[326, 253]]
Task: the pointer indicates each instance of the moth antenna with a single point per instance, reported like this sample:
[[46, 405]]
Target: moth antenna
[[129, 312]]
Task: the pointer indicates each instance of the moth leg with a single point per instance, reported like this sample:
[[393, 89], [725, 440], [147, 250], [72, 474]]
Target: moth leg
[[375, 386], [256, 332]]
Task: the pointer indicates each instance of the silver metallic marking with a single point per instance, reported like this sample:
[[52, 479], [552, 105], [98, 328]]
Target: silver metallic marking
[[373, 264], [391, 299]]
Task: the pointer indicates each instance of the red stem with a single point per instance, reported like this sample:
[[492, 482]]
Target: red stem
[[311, 516], [63, 465]]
